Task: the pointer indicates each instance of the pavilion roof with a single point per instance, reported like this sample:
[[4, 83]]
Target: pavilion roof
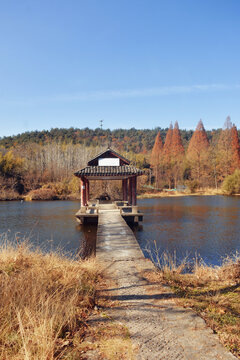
[[99, 172], [108, 153]]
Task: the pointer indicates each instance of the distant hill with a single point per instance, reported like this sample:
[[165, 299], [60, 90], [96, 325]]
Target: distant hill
[[125, 140]]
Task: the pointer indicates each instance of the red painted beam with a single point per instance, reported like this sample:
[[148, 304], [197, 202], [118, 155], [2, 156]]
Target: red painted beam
[[124, 189], [83, 192], [130, 191], [134, 190]]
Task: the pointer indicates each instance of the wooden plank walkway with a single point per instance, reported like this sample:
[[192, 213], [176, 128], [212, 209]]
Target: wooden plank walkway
[[159, 328], [114, 237]]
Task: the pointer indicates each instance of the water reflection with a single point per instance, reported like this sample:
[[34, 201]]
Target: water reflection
[[50, 225], [207, 226]]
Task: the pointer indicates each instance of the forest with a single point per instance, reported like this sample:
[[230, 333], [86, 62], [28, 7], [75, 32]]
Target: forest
[[41, 163]]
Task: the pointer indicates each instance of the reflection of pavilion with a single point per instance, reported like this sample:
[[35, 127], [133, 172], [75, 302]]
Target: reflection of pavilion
[[109, 165]]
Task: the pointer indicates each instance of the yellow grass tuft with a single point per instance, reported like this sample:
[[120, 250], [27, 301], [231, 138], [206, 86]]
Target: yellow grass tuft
[[45, 300]]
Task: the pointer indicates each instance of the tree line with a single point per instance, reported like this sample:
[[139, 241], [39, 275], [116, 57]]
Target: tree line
[[204, 162], [174, 157], [128, 140]]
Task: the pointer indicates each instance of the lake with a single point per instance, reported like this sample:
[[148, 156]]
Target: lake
[[206, 225]]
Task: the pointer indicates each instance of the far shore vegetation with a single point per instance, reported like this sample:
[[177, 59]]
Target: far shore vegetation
[[40, 165]]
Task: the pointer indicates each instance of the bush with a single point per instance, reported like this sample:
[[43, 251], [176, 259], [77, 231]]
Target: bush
[[231, 184], [42, 194], [193, 185]]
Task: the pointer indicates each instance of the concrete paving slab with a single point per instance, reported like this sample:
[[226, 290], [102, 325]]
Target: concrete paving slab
[[159, 328]]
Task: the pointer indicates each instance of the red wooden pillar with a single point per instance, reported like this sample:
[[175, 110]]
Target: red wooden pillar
[[124, 189], [83, 192], [87, 190], [134, 190], [130, 191]]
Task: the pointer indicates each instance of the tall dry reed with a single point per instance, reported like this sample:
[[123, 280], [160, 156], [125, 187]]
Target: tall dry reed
[[45, 299]]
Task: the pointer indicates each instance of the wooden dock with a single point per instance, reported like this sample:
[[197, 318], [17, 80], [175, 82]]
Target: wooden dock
[[115, 237], [92, 211]]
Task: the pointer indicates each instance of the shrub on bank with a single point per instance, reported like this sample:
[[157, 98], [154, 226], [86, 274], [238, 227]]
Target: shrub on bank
[[231, 184], [8, 194], [41, 194]]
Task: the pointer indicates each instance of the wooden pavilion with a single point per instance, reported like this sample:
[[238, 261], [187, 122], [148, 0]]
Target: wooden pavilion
[[109, 165]]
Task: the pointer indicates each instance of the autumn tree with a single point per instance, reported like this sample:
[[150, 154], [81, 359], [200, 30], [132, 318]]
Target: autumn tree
[[156, 158], [167, 158], [177, 154], [228, 152], [198, 155], [173, 155], [235, 148]]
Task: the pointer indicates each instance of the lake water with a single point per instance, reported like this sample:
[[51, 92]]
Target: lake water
[[51, 225], [208, 226]]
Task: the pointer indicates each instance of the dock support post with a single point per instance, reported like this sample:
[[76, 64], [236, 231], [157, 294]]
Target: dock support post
[[130, 191], [134, 190], [83, 192]]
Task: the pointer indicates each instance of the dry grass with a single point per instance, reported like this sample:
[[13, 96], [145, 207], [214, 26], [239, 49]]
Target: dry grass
[[160, 194], [8, 194], [108, 340], [213, 292], [41, 194], [45, 300]]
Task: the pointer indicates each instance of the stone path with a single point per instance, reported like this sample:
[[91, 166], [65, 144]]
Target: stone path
[[159, 329]]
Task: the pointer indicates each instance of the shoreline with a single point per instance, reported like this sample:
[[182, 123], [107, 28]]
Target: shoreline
[[76, 197], [164, 194]]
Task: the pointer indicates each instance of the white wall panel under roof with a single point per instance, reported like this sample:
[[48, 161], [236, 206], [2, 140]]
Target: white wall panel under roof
[[108, 162]]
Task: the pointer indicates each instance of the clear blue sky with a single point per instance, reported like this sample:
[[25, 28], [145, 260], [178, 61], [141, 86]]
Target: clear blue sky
[[133, 63]]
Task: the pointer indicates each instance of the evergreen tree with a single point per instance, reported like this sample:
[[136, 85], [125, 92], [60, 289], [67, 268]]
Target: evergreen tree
[[177, 155], [198, 155], [228, 150], [168, 143], [156, 158], [156, 151], [167, 159], [177, 149]]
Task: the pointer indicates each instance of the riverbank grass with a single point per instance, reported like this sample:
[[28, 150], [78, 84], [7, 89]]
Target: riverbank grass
[[213, 292], [46, 300]]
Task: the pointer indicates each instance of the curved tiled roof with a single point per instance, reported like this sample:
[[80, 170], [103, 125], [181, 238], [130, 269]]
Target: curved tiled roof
[[111, 171]]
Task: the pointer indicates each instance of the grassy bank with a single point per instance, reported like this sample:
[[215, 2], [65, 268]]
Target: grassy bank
[[159, 194], [46, 300], [213, 292]]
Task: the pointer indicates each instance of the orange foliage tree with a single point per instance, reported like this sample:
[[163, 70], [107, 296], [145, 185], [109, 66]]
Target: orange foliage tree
[[198, 155], [228, 151], [177, 154], [156, 158], [167, 168], [173, 155]]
